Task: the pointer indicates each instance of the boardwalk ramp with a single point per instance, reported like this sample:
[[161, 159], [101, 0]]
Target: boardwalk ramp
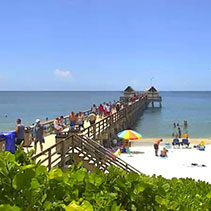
[[79, 148]]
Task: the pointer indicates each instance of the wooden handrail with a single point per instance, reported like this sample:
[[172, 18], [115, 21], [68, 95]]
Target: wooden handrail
[[106, 151], [84, 145]]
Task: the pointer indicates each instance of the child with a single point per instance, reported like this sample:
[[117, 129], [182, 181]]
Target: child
[[163, 152]]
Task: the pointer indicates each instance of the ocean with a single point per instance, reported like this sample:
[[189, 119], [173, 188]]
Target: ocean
[[194, 107]]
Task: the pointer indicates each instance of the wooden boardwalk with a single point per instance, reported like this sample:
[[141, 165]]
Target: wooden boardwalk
[[85, 146]]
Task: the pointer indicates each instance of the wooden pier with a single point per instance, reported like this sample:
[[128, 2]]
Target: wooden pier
[[88, 145]]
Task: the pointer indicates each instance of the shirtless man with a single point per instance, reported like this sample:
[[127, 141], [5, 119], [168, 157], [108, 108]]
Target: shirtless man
[[156, 146]]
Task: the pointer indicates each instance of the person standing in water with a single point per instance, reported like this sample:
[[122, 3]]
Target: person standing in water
[[179, 132], [185, 123]]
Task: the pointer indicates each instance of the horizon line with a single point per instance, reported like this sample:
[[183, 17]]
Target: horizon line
[[100, 90]]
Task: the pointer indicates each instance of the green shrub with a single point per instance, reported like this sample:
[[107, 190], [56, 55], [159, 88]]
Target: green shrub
[[30, 186]]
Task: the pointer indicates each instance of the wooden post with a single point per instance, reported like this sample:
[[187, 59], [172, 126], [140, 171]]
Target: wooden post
[[49, 159], [153, 104], [94, 131], [62, 155], [88, 132]]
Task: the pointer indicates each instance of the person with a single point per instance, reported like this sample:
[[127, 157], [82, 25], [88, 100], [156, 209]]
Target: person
[[104, 108], [100, 109], [38, 134], [114, 104], [108, 109], [117, 107], [94, 109], [185, 123], [61, 122], [80, 120], [163, 152], [201, 146], [58, 128], [19, 132], [156, 146], [174, 125], [179, 132], [133, 99], [73, 119], [92, 118]]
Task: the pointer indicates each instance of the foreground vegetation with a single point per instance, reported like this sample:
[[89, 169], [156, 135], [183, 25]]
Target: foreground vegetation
[[28, 186]]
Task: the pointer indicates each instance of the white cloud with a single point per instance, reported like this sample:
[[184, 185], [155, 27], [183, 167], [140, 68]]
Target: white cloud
[[66, 75]]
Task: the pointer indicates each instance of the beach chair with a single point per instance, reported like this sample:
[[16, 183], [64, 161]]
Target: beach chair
[[176, 142], [185, 142], [202, 148]]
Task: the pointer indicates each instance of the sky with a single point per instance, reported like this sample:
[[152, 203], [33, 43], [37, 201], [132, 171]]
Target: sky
[[105, 44]]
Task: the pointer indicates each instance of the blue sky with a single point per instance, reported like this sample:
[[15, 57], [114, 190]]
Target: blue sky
[[105, 44]]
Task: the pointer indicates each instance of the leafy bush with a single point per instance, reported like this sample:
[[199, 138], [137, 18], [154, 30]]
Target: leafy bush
[[28, 186]]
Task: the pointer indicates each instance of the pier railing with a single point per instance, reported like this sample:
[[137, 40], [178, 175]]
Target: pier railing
[[101, 126], [50, 127], [49, 124], [81, 148]]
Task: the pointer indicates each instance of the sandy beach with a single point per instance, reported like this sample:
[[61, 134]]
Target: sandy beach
[[179, 162], [169, 140]]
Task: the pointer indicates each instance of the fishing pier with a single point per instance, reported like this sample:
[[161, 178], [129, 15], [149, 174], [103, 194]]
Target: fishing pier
[[89, 146]]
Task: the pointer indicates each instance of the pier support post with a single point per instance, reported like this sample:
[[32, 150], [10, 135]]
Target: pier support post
[[153, 104]]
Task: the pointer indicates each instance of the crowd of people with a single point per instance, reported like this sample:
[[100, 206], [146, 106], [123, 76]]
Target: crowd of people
[[177, 133], [76, 122]]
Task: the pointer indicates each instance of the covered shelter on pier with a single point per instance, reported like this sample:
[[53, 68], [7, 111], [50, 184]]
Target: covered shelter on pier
[[153, 96], [129, 92]]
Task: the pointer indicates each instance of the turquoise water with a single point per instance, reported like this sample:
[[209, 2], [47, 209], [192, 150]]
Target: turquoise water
[[32, 105], [195, 107]]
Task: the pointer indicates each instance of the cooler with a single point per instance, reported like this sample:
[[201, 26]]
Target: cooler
[[10, 140]]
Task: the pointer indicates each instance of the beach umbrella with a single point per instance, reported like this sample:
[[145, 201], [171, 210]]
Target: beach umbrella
[[129, 135]]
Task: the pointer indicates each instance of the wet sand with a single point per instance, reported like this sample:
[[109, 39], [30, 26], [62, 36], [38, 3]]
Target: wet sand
[[169, 140]]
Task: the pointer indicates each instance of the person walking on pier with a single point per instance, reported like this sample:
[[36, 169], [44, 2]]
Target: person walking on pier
[[117, 107], [92, 118], [19, 132], [73, 119], [94, 109], [101, 111], [80, 121], [108, 109], [38, 134], [156, 146]]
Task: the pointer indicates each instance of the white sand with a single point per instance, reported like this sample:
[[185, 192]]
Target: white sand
[[177, 164]]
